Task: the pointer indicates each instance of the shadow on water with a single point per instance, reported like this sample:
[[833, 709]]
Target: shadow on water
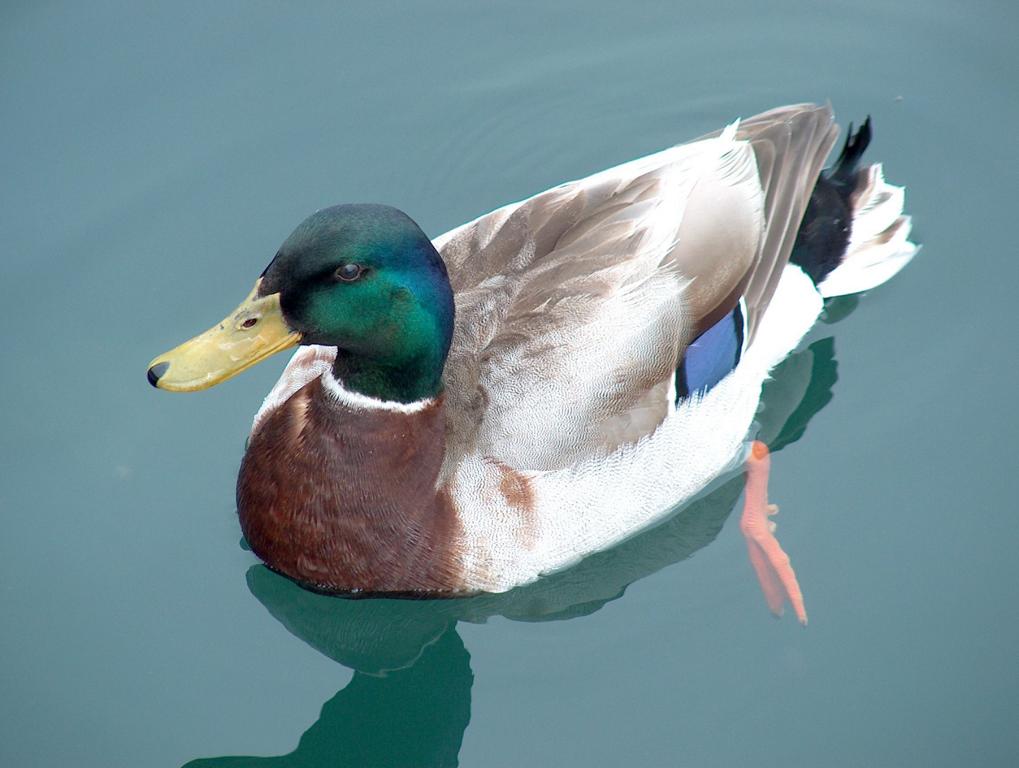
[[411, 670]]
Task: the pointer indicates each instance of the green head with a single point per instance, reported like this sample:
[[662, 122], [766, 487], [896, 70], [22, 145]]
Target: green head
[[362, 278]]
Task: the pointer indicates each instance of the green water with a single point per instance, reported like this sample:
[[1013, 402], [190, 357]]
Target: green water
[[154, 156]]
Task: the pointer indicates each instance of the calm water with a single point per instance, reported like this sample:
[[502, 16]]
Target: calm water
[[153, 158]]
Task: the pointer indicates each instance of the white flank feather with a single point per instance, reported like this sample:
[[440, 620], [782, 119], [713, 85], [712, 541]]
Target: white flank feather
[[604, 500]]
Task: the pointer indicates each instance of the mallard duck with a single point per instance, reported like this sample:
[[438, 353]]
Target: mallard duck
[[467, 414]]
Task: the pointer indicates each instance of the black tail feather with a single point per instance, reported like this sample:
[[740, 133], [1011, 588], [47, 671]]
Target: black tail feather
[[827, 223], [844, 170]]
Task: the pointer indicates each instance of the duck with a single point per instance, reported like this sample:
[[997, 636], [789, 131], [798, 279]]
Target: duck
[[469, 413]]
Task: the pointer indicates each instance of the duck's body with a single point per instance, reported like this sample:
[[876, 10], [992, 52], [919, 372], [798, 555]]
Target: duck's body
[[574, 407]]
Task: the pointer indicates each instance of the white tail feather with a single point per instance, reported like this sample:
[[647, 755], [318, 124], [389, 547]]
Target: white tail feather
[[879, 245]]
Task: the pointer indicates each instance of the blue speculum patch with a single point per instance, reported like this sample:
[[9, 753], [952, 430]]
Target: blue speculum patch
[[711, 356]]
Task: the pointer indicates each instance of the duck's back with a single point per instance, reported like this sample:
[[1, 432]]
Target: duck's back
[[575, 307]]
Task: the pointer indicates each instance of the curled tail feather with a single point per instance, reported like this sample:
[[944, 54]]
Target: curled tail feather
[[844, 171]]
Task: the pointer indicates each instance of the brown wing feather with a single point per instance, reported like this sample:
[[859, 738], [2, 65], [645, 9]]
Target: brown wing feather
[[790, 144], [531, 283], [536, 281]]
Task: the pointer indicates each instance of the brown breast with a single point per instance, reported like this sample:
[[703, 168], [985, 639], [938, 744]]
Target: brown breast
[[345, 499]]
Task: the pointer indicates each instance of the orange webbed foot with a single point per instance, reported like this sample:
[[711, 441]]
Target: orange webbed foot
[[770, 562]]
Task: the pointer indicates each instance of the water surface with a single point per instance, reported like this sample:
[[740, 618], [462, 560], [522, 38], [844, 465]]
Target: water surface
[[154, 157]]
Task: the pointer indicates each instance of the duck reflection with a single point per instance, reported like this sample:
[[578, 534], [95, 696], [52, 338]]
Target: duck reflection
[[408, 703]]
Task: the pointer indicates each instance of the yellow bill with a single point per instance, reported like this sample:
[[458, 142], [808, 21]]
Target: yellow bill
[[247, 336]]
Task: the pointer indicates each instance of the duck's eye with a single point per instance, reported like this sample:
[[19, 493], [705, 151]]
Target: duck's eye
[[348, 273], [250, 322]]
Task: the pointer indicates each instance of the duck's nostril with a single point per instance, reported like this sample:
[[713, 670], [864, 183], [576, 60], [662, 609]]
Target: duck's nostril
[[156, 372]]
